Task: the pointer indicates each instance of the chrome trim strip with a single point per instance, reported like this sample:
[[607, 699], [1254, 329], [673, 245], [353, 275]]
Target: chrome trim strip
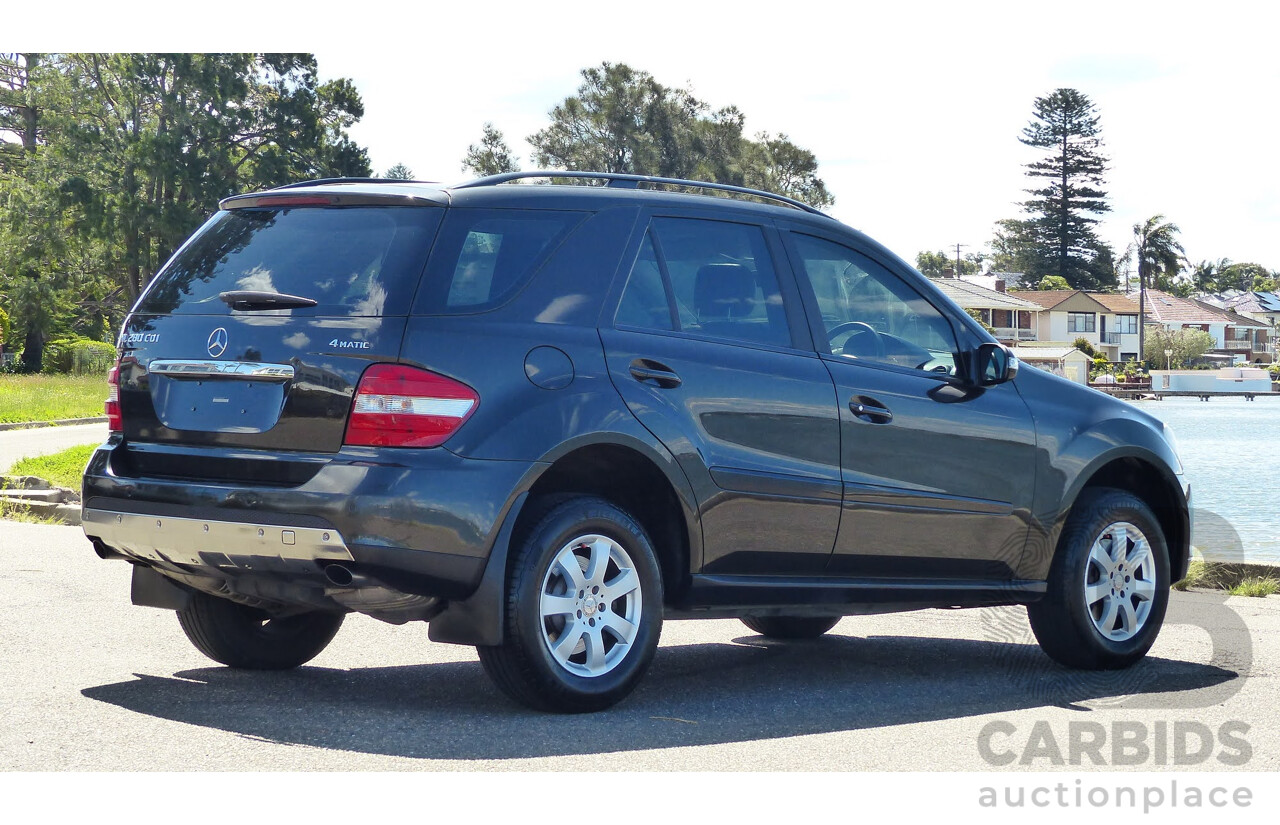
[[250, 370], [209, 543]]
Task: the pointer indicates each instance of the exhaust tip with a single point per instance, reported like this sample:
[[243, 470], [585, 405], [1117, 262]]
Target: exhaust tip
[[339, 575]]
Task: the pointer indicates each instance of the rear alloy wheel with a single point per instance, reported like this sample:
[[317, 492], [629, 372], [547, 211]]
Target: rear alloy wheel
[[584, 610], [791, 627], [1108, 587], [246, 637]]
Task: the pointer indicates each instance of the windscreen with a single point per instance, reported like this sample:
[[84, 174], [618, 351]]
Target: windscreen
[[352, 261]]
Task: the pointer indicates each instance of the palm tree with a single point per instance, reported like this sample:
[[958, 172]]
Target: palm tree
[[1159, 260]]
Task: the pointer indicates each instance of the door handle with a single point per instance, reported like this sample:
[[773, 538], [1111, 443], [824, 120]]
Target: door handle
[[869, 409], [642, 369]]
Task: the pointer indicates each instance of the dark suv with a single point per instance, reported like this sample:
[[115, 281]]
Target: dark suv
[[545, 418]]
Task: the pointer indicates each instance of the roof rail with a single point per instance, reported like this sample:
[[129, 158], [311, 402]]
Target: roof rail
[[323, 181], [618, 180]]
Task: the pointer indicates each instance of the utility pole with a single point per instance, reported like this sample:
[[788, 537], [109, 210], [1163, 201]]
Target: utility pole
[[958, 258]]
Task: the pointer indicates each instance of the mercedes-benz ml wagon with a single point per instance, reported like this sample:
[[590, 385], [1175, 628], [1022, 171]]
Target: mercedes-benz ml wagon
[[546, 418]]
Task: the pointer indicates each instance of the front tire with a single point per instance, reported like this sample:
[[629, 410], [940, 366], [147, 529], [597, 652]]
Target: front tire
[[245, 637], [1108, 587], [791, 627], [583, 610]]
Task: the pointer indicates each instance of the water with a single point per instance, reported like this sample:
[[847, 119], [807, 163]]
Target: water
[[1231, 453]]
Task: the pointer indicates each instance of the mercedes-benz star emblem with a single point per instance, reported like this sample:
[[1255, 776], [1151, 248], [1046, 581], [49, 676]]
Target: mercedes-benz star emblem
[[218, 342]]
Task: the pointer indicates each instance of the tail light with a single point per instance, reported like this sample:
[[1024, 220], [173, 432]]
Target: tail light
[[398, 406], [115, 421]]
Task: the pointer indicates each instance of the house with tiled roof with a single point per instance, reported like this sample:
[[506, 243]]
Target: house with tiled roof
[[1234, 335], [1011, 316], [1108, 322], [1260, 306]]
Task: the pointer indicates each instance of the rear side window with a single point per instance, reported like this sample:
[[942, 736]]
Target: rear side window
[[484, 256], [352, 261], [717, 276]]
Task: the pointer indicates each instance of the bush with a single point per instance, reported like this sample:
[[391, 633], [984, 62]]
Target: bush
[[92, 357], [1084, 346], [78, 356]]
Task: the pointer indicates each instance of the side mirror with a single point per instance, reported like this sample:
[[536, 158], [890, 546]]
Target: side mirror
[[993, 364]]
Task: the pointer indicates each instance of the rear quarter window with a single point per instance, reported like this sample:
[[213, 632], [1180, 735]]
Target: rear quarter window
[[483, 257], [353, 261]]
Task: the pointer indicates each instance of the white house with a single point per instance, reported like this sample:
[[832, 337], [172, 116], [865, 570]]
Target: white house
[[1109, 322]]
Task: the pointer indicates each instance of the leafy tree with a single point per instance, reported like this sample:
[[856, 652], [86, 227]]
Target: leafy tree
[[976, 314], [398, 172], [1053, 282], [1204, 275], [123, 155], [1222, 275], [491, 156], [1065, 125], [1014, 248], [1246, 277], [19, 116], [623, 120], [775, 164], [1187, 345], [932, 264]]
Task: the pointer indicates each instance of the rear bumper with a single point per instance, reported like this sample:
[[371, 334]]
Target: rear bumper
[[421, 521]]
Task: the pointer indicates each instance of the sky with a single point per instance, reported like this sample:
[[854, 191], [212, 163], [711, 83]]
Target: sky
[[913, 109]]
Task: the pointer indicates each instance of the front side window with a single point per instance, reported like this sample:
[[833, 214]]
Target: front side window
[[712, 278], [871, 314], [1082, 322]]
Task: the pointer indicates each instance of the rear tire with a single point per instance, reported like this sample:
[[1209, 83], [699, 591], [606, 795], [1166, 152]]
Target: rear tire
[[245, 637], [791, 627], [583, 610], [1108, 586]]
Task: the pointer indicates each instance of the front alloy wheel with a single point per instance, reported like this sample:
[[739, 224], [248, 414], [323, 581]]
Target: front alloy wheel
[[1120, 584], [1108, 586]]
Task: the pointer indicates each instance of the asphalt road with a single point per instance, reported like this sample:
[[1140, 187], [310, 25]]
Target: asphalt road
[[89, 682], [18, 444]]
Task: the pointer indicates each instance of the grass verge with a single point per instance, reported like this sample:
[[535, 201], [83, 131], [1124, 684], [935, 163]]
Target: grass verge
[[1237, 579], [1256, 586], [62, 469], [20, 512], [26, 398]]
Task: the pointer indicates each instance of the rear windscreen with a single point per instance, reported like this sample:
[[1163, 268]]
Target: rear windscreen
[[351, 261]]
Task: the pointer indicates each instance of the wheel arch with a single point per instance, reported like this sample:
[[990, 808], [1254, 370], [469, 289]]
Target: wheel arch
[[630, 475], [638, 476], [1149, 479]]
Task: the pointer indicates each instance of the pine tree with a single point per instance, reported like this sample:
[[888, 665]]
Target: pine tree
[[1066, 126], [398, 172], [491, 156]]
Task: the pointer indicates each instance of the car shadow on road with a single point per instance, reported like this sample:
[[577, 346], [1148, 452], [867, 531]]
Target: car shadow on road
[[698, 694]]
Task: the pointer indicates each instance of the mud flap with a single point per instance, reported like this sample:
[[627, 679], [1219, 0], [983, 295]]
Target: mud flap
[[479, 618], [150, 589]]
